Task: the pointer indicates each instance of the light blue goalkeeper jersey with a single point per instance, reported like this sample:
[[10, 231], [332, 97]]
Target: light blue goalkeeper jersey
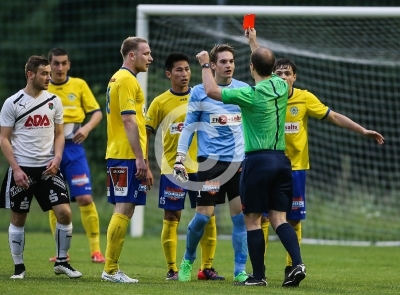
[[218, 126]]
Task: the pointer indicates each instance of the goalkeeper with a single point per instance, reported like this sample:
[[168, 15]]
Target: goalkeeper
[[168, 111], [301, 105], [220, 153]]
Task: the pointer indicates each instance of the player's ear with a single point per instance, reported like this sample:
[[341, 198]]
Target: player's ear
[[294, 77], [213, 66], [168, 74]]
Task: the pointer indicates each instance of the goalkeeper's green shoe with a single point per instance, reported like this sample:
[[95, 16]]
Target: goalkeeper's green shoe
[[185, 271], [241, 277]]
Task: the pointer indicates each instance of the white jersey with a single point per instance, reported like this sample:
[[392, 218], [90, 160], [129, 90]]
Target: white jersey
[[33, 120]]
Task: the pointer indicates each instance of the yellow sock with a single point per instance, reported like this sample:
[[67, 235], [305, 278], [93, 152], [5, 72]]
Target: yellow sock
[[169, 241], [265, 228], [297, 230], [115, 241], [90, 221], [52, 220], [208, 243]]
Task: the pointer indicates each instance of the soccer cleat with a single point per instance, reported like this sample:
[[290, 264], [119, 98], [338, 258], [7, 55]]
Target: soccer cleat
[[172, 275], [241, 277], [65, 268], [19, 272], [185, 271], [251, 281], [97, 257], [209, 274], [54, 259], [296, 275], [288, 268], [118, 277]]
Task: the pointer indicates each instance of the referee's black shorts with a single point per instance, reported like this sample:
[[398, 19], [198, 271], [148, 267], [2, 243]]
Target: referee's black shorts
[[266, 182]]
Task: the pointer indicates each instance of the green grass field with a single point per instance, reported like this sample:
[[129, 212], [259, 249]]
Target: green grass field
[[330, 270]]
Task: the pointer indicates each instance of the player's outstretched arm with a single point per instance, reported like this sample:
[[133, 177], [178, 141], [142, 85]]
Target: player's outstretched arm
[[345, 122], [251, 36]]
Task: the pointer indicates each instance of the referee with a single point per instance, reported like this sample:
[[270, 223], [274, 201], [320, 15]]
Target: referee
[[266, 179]]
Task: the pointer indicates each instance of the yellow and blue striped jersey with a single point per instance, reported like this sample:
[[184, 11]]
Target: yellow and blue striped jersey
[[168, 110], [301, 105], [124, 96], [76, 97]]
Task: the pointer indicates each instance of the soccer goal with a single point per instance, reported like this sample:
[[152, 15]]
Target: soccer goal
[[349, 58]]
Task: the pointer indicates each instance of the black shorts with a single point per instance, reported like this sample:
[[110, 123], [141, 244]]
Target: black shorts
[[218, 179], [48, 191], [266, 182]]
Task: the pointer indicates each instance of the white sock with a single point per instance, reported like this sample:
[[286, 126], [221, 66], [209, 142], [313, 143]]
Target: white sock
[[63, 240], [16, 240]]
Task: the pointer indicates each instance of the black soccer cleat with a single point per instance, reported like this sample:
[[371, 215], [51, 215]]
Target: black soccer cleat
[[251, 281], [296, 275]]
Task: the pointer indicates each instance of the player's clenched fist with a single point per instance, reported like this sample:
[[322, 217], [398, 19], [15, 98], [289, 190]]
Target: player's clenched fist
[[203, 57]]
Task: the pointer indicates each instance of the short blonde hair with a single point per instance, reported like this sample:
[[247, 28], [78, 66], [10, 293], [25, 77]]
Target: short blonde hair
[[131, 44]]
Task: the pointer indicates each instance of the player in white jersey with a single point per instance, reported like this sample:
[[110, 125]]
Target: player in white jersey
[[32, 140]]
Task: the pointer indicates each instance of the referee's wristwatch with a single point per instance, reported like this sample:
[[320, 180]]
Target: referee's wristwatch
[[206, 66]]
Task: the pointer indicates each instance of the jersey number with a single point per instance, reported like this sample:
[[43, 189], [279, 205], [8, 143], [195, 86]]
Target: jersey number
[[108, 100]]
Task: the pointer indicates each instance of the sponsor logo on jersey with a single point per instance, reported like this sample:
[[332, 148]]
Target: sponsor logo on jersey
[[292, 127], [71, 96], [22, 105], [80, 180], [174, 194], [212, 187], [225, 119], [294, 111], [176, 128], [37, 121]]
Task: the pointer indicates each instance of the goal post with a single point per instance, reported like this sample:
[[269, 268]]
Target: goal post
[[347, 57]]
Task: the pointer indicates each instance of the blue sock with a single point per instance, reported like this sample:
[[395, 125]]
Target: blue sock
[[289, 240], [194, 233], [239, 243]]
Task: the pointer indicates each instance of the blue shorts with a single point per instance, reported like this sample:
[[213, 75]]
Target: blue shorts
[[172, 197], [122, 185], [75, 169], [298, 210], [266, 182]]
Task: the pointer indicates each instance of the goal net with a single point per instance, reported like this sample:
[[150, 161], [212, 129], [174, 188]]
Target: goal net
[[347, 57]]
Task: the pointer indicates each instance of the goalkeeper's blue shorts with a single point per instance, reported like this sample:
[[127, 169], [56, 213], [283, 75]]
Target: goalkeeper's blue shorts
[[172, 196], [75, 170]]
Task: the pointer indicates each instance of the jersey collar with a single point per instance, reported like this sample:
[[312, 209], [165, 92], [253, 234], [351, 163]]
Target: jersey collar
[[123, 68], [58, 84]]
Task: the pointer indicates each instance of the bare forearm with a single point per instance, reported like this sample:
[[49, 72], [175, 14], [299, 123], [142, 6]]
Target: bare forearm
[[9, 154], [148, 133], [59, 142], [345, 122], [253, 44], [210, 86], [132, 133], [95, 119]]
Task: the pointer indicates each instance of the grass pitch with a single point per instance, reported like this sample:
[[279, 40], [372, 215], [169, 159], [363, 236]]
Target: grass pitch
[[330, 270]]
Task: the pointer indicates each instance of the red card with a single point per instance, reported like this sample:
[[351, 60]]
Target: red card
[[248, 21]]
